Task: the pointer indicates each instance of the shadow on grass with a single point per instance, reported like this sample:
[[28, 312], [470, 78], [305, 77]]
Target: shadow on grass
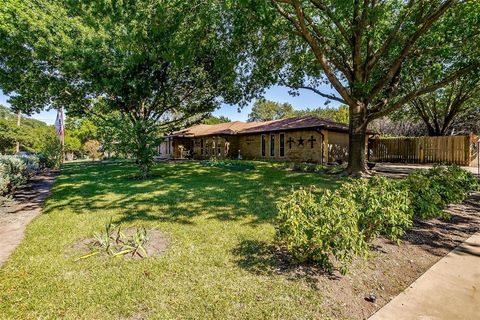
[[262, 258], [176, 192]]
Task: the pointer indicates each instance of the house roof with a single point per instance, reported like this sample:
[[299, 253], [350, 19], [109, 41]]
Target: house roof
[[238, 127]]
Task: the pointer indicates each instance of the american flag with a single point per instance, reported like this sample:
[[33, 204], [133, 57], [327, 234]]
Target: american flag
[[59, 124]]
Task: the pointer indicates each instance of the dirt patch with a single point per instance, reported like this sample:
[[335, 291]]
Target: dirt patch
[[157, 243], [389, 269]]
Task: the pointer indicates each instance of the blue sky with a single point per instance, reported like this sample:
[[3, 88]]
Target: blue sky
[[306, 99]]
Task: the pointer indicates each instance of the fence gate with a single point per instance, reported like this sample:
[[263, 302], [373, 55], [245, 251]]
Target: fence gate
[[449, 150]]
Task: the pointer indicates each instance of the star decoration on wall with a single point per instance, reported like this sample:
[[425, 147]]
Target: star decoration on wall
[[301, 141]]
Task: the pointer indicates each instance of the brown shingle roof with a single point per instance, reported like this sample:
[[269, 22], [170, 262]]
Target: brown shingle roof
[[238, 127]]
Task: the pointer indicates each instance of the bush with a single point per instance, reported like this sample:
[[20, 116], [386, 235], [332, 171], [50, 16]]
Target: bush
[[339, 224], [434, 189], [383, 207], [319, 228], [92, 148], [4, 179], [15, 170], [426, 200], [51, 156], [32, 164]]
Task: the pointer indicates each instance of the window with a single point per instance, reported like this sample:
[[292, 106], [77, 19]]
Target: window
[[282, 145], [272, 145], [202, 151], [219, 148], [263, 145]]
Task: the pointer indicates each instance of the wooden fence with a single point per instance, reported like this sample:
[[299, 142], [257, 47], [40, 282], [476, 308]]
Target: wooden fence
[[449, 150]]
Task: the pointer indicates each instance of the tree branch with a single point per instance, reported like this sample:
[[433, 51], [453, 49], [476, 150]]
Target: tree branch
[[409, 97], [325, 95], [407, 48]]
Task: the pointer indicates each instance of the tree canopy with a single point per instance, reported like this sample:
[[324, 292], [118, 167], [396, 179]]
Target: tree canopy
[[266, 110], [215, 120], [377, 55], [160, 64], [443, 110], [30, 134]]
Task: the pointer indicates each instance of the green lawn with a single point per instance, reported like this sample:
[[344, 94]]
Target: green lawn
[[219, 264]]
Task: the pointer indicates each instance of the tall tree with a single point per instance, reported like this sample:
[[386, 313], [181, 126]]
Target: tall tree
[[373, 53], [442, 109], [160, 64], [266, 110]]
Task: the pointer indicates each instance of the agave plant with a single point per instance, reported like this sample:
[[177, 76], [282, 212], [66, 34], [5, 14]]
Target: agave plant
[[135, 245], [115, 243]]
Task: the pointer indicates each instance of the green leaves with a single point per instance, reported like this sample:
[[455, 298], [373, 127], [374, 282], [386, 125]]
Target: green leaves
[[319, 228], [330, 228], [114, 242]]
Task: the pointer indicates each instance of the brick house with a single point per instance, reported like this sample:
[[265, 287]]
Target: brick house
[[299, 139]]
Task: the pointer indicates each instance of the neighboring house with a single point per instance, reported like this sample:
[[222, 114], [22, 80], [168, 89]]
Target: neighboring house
[[300, 139]]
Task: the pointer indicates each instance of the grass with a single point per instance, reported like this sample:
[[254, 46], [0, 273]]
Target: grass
[[220, 223]]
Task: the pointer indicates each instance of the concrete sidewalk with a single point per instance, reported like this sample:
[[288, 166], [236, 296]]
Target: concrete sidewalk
[[450, 289]]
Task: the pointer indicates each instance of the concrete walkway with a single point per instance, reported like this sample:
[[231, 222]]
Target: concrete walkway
[[450, 289], [402, 169], [16, 214]]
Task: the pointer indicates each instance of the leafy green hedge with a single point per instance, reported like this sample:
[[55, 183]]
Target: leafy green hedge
[[335, 226]]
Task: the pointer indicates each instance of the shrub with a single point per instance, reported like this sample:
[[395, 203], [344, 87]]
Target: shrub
[[15, 171], [383, 207], [51, 156], [32, 164], [432, 190], [426, 200], [319, 228], [4, 180], [92, 148]]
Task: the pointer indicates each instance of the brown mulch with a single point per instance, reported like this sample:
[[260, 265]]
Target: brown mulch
[[392, 268]]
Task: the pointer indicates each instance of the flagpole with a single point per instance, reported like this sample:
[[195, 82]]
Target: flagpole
[[62, 139]]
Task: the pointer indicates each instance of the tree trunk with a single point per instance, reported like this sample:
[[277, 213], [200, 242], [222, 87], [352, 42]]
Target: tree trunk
[[17, 144], [357, 141]]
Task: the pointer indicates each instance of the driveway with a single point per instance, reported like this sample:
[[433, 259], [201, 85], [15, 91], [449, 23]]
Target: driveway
[[402, 169]]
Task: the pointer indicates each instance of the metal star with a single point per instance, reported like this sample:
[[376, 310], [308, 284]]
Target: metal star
[[301, 141]]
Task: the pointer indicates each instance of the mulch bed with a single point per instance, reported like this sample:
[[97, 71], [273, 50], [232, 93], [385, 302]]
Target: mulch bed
[[392, 268], [158, 242]]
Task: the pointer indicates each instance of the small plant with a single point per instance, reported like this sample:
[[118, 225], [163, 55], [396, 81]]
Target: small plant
[[114, 242], [336, 169]]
